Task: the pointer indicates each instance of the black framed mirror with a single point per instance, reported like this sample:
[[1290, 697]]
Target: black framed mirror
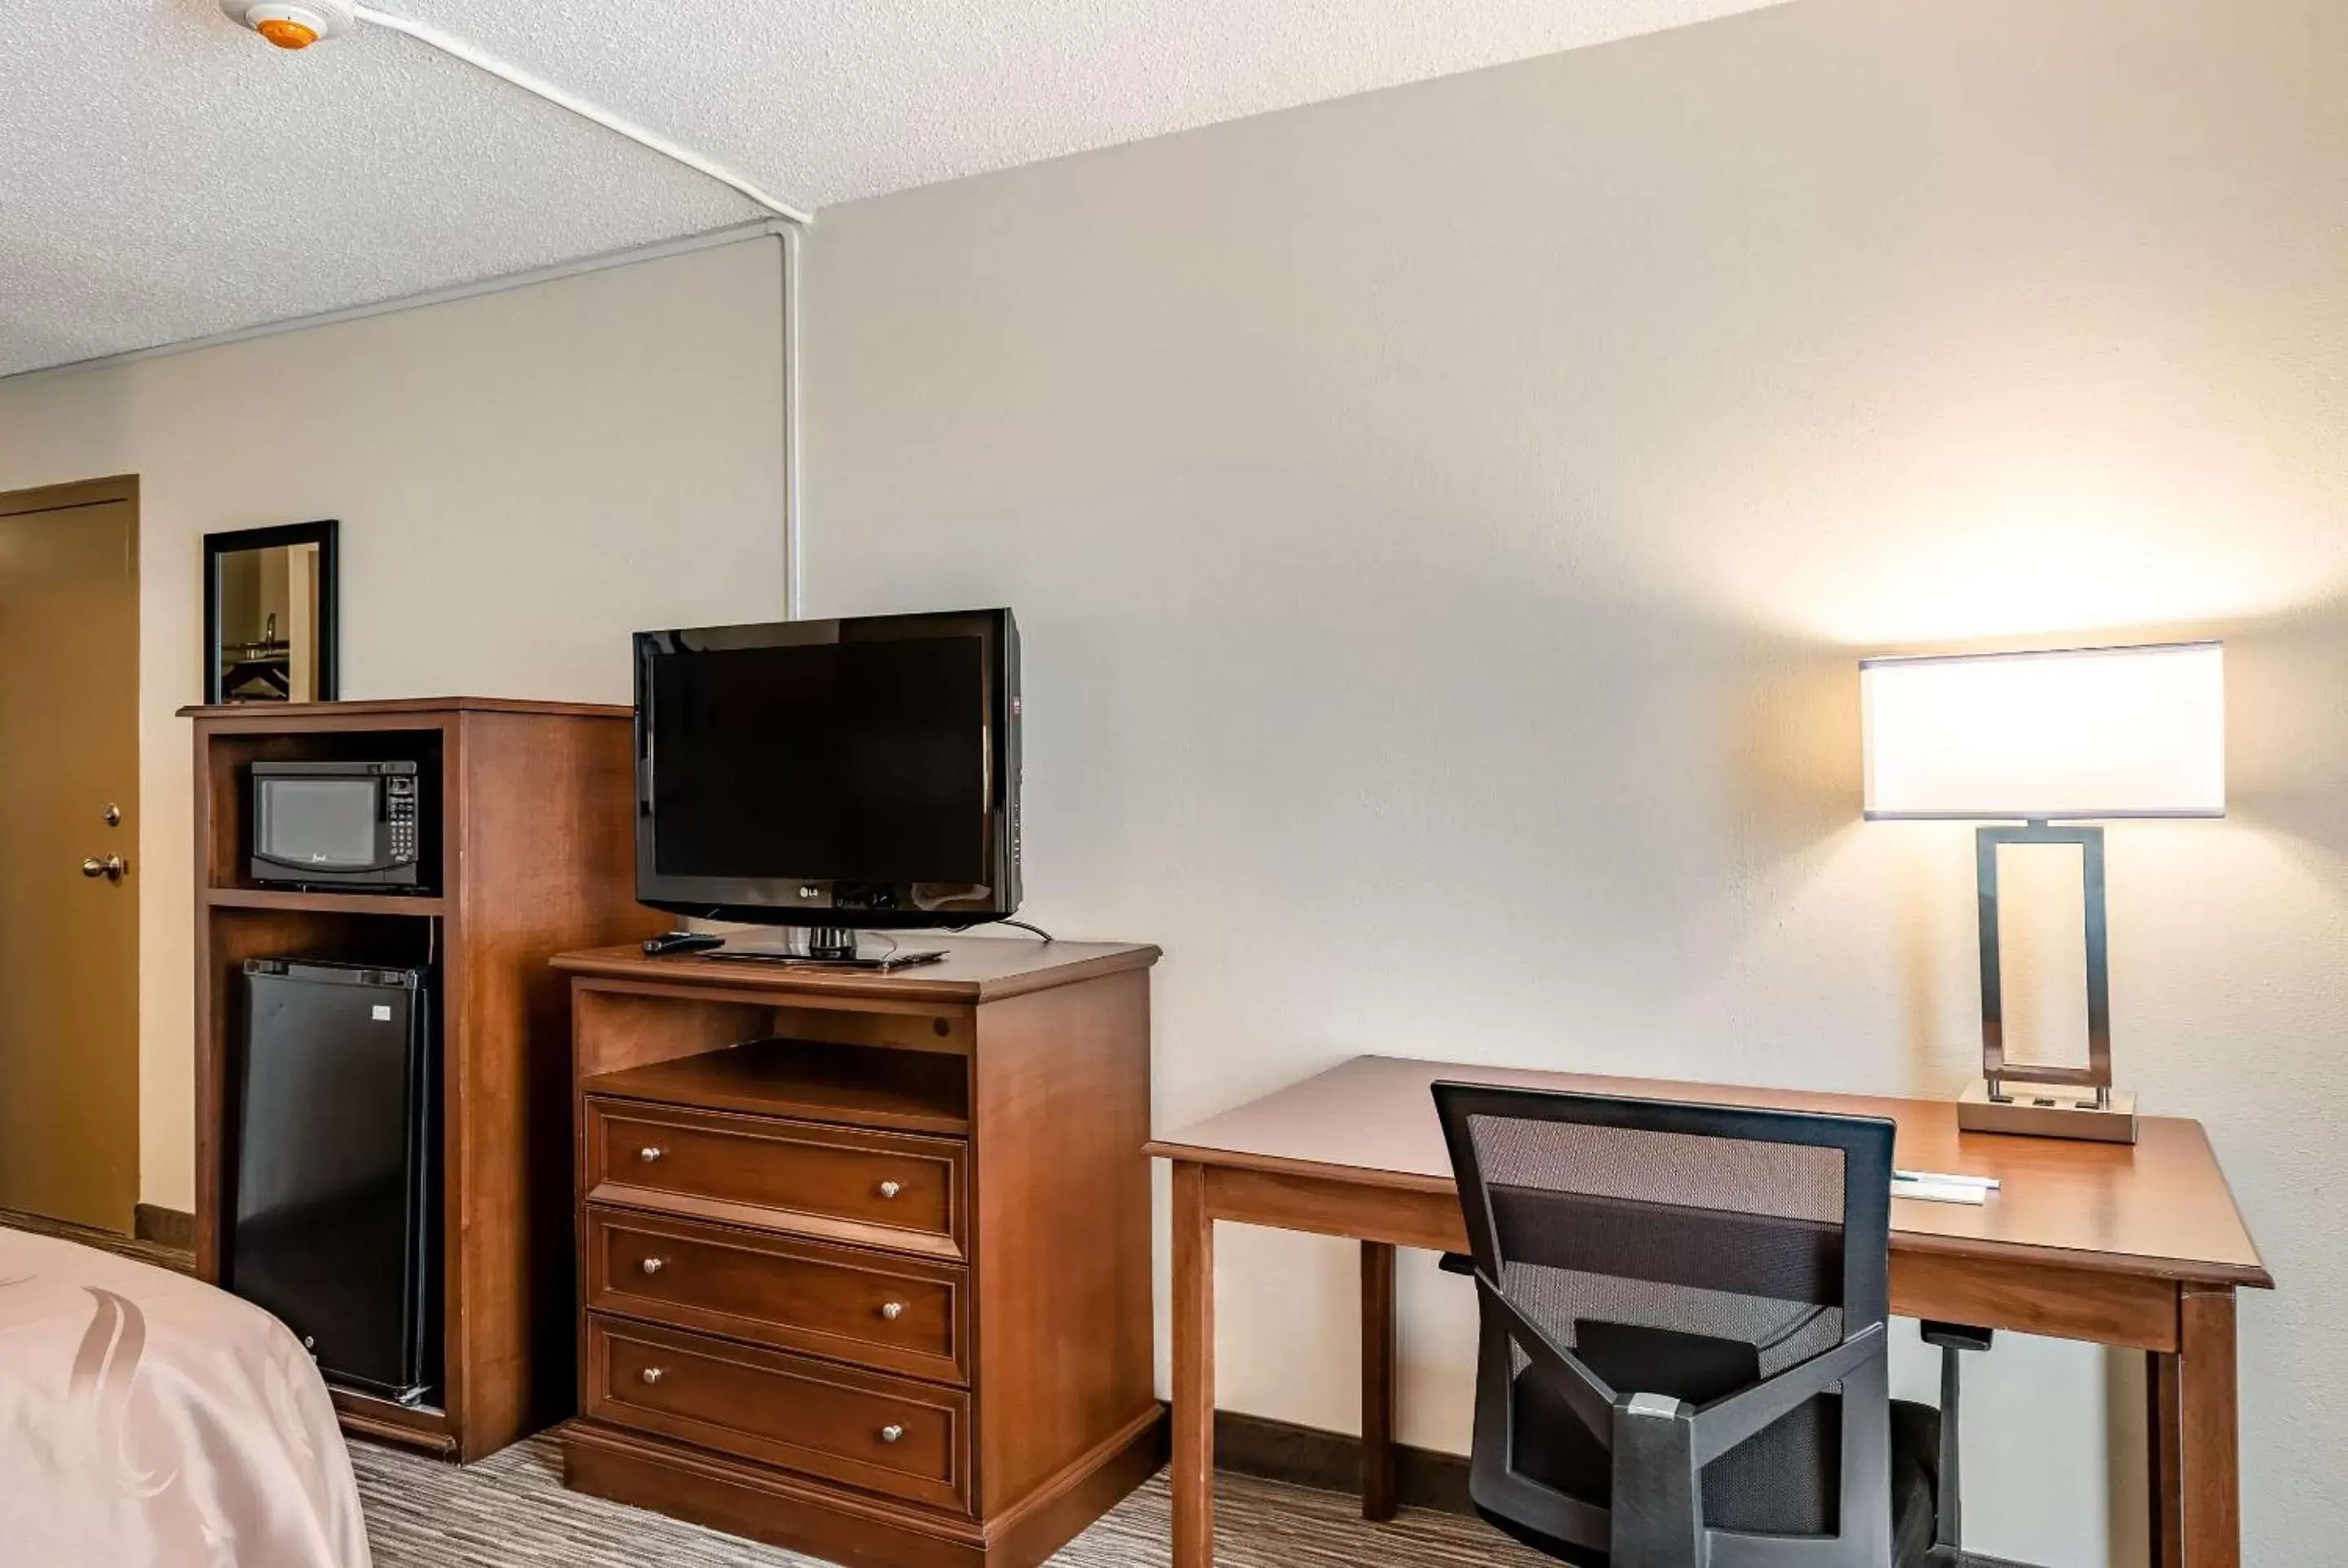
[[271, 631]]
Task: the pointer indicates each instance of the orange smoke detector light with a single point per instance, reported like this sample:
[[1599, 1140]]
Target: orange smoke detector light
[[293, 24], [287, 35]]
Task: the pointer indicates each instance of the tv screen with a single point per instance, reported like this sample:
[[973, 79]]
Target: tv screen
[[855, 772]]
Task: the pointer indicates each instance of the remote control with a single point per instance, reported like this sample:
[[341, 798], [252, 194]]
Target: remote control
[[682, 942]]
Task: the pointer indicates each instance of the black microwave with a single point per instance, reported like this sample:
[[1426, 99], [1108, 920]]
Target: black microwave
[[339, 825]]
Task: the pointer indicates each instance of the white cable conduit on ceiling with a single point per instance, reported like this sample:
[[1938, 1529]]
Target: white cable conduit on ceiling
[[482, 60], [297, 23], [789, 237]]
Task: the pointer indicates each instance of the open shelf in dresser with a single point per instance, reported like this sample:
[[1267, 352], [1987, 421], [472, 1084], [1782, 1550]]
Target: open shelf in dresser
[[813, 1080], [409, 905]]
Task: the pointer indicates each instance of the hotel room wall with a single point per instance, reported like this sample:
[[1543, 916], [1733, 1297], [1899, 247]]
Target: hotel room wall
[[522, 478], [1444, 524]]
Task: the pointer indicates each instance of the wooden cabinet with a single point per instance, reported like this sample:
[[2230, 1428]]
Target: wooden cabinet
[[529, 849], [865, 1259]]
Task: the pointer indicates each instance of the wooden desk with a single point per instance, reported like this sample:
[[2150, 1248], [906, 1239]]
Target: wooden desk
[[2140, 1247]]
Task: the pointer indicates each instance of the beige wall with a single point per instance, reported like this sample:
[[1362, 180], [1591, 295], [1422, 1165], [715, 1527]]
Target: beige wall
[[522, 479], [1444, 524]]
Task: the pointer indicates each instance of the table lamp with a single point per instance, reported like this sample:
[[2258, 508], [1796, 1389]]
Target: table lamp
[[2043, 739]]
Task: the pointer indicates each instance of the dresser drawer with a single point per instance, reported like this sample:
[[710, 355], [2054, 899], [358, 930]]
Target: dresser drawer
[[860, 1429], [896, 1190], [901, 1315]]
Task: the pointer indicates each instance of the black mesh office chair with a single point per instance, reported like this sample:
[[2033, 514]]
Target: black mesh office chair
[[1684, 1354]]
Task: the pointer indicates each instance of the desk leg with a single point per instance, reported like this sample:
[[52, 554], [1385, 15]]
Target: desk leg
[[2209, 1440], [1193, 1476], [1377, 1381], [2166, 1485]]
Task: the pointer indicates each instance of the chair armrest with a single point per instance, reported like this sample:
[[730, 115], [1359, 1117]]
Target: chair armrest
[[1956, 1335], [1724, 1423], [1457, 1263], [1588, 1395]]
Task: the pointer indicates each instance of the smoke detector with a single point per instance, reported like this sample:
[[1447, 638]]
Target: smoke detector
[[293, 23]]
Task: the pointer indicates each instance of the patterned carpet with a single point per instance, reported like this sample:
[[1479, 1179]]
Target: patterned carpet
[[511, 1512]]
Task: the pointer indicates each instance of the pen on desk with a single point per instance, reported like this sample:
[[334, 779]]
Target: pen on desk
[[1938, 1178]]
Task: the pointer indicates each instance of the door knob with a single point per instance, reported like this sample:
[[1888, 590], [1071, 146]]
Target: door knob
[[111, 867]]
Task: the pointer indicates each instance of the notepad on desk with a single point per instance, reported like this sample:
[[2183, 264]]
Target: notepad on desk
[[1941, 1187]]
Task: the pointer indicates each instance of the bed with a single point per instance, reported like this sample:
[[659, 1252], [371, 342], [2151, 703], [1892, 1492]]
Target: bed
[[147, 1419]]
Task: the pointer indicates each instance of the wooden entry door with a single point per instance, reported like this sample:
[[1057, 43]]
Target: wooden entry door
[[70, 803]]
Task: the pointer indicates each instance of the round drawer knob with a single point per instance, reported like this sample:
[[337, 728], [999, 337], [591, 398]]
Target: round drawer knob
[[889, 1189], [892, 1434], [892, 1311], [650, 1375], [650, 1152], [654, 1264]]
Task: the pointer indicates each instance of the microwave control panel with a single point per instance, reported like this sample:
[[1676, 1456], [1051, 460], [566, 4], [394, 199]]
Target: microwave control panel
[[400, 814]]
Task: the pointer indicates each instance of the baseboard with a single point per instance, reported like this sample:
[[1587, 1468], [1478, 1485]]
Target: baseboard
[[173, 1228], [1332, 1461], [180, 1260]]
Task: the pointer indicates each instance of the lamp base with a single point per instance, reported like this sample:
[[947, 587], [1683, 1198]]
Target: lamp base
[[2049, 1111]]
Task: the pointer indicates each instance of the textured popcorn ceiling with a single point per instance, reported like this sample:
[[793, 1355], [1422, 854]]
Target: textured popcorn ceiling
[[164, 175]]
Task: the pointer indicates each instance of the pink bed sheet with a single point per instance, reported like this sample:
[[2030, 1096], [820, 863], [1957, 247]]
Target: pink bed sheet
[[147, 1419]]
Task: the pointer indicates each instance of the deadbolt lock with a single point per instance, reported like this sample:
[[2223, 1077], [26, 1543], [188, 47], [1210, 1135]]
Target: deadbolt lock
[[113, 815]]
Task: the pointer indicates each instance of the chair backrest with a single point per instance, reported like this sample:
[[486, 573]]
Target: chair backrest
[[1632, 1247]]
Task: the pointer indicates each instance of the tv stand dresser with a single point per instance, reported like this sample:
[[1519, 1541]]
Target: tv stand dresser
[[865, 1259]]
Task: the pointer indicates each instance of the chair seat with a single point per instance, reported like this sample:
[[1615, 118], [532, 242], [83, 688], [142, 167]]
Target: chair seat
[[1777, 1483]]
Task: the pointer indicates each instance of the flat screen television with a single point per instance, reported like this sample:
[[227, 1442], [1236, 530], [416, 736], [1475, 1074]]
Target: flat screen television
[[831, 774]]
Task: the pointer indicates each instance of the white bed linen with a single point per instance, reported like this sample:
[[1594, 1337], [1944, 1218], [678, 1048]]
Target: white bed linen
[[147, 1419]]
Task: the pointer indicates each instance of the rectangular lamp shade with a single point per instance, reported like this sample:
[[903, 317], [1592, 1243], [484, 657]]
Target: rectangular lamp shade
[[2078, 732]]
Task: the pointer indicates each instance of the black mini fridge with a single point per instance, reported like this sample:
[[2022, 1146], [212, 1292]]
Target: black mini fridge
[[335, 1220]]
